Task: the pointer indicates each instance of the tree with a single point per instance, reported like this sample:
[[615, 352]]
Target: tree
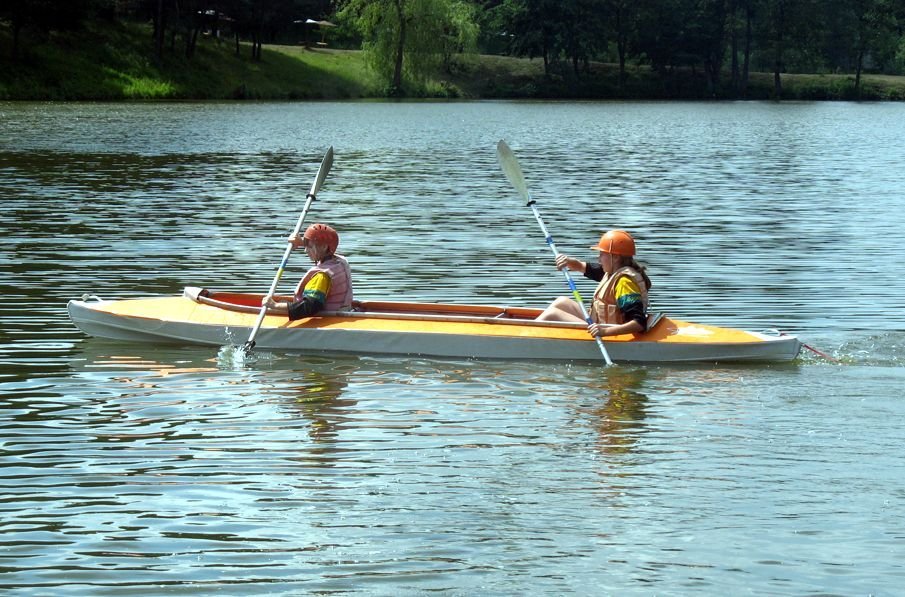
[[251, 19], [43, 16], [460, 33], [741, 21], [237, 11], [873, 18], [408, 38], [159, 13], [662, 33], [710, 39], [623, 17], [779, 24], [533, 26], [581, 23], [790, 27], [192, 16]]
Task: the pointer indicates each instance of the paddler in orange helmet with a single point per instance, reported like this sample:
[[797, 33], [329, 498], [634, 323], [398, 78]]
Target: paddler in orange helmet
[[620, 302], [327, 285]]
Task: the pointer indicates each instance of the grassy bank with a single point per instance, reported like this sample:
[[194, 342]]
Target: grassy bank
[[498, 76], [115, 63]]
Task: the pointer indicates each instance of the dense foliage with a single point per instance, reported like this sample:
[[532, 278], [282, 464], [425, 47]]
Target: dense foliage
[[720, 40], [731, 37]]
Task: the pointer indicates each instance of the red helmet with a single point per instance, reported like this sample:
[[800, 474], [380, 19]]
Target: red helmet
[[322, 235], [616, 242]]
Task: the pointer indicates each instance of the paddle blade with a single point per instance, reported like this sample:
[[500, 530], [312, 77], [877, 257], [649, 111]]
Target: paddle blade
[[322, 172], [511, 169]]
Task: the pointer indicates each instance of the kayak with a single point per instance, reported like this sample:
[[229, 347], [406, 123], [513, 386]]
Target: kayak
[[205, 317]]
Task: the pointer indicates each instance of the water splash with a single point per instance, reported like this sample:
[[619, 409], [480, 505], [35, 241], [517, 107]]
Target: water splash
[[880, 350], [885, 350], [821, 354], [234, 356]]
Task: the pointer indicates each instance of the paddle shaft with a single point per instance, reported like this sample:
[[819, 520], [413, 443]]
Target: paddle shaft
[[326, 163], [565, 272], [513, 172], [276, 279]]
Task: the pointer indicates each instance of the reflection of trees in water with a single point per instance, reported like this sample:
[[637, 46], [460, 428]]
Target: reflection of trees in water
[[618, 415]]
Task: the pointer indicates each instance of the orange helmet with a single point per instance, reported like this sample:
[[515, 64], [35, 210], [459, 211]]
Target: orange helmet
[[322, 235], [616, 242]]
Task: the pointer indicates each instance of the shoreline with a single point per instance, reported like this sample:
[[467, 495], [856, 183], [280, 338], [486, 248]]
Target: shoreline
[[121, 69]]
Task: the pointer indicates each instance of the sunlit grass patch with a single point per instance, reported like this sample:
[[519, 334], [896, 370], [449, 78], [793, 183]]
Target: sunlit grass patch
[[145, 88]]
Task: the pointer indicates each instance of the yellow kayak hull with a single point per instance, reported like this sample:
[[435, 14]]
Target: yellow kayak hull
[[424, 329]]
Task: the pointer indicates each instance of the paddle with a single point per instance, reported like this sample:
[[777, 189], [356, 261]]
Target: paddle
[[326, 163], [514, 173]]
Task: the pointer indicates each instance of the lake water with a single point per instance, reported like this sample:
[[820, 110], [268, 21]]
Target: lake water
[[129, 469]]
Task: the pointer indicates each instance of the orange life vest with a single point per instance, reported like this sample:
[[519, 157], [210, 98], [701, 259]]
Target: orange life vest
[[603, 305]]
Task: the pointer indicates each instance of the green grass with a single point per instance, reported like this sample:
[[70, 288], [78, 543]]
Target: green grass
[[114, 62]]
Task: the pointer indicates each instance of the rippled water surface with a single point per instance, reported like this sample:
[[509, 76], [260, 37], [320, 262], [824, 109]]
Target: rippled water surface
[[131, 469]]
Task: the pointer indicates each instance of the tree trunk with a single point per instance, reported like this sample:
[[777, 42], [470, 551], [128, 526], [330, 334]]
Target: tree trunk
[[159, 31], [236, 33], [400, 49], [17, 28], [398, 62], [191, 42], [546, 54], [858, 72], [622, 74], [733, 10], [716, 50], [778, 55], [621, 47], [749, 37], [777, 85]]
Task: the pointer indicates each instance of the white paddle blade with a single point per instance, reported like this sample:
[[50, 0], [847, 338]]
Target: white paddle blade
[[322, 172], [511, 169]]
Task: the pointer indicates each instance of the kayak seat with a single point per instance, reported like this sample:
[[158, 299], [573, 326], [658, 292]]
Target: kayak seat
[[653, 319]]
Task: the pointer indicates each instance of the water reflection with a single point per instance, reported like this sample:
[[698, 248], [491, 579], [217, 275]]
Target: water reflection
[[318, 396], [620, 407]]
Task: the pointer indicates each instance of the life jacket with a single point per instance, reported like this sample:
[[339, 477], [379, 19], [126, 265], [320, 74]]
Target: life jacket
[[603, 305], [340, 297]]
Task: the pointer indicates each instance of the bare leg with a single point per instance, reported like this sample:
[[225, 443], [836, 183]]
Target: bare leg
[[562, 309]]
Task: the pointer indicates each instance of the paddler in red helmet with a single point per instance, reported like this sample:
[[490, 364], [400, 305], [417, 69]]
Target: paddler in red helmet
[[327, 286], [620, 302]]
